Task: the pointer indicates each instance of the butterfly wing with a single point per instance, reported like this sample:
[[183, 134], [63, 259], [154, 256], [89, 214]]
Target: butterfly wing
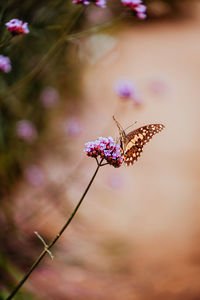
[[136, 139]]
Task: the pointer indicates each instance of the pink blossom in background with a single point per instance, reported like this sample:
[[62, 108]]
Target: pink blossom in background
[[49, 97], [137, 7], [131, 2], [100, 3], [106, 149], [115, 181], [85, 2], [26, 130], [5, 65], [73, 127], [34, 175], [158, 86], [126, 89], [16, 26]]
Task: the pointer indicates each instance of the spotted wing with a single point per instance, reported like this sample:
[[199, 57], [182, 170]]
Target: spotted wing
[[136, 139]]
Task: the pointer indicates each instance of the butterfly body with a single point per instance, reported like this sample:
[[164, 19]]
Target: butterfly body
[[133, 142]]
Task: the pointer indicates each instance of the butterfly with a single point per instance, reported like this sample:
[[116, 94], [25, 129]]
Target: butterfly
[[132, 143]]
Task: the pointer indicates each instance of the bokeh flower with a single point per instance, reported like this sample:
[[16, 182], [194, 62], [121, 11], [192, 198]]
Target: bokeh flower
[[49, 97], [115, 181], [158, 86], [85, 2], [73, 127], [100, 3], [137, 7], [16, 26], [127, 90], [34, 175], [5, 65], [26, 130], [105, 148]]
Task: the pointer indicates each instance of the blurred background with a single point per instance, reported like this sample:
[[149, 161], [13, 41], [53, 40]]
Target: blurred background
[[136, 235]]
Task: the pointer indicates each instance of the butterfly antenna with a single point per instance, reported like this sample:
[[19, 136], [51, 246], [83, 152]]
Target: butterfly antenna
[[131, 125], [119, 127], [118, 124]]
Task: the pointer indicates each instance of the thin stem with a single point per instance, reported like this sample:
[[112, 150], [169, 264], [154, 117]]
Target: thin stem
[[46, 249], [63, 38], [94, 29], [5, 41], [46, 57]]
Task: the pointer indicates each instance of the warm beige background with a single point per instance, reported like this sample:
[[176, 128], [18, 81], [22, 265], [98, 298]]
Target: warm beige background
[[140, 238]]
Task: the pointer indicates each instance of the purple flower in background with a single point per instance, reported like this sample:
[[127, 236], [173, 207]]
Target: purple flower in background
[[16, 26], [34, 175], [100, 3], [85, 2], [73, 128], [5, 65], [131, 2], [125, 89], [26, 131], [49, 97], [105, 148], [141, 11], [137, 7]]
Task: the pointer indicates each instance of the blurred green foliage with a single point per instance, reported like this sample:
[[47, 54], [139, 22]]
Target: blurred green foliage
[[33, 69]]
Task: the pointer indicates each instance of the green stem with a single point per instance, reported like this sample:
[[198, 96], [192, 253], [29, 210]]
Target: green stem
[[46, 57], [94, 29], [40, 257], [64, 38]]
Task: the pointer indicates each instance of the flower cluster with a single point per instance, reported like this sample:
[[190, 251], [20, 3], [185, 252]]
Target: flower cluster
[[5, 64], [16, 26], [137, 6], [106, 149], [100, 3]]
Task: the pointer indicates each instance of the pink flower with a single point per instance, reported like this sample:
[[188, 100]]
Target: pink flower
[[73, 128], [131, 2], [100, 3], [16, 26], [5, 65], [125, 89], [26, 130], [137, 7], [158, 86], [34, 175], [105, 148], [49, 97], [85, 2], [141, 16]]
